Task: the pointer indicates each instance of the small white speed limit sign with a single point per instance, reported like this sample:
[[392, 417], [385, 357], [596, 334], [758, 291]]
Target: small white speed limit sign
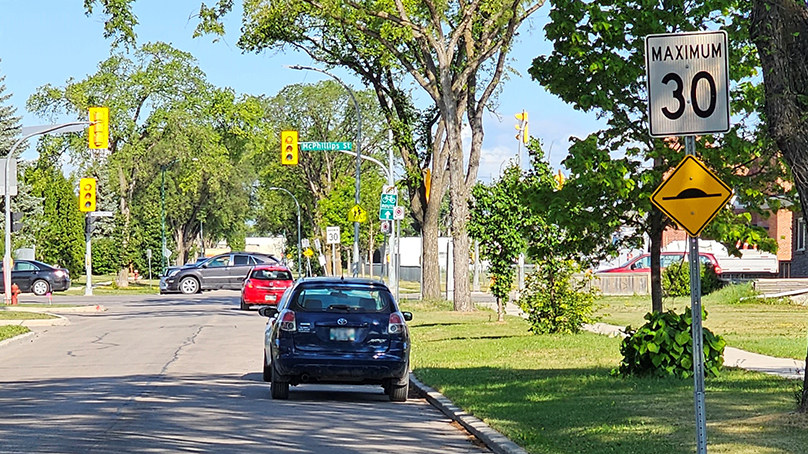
[[688, 83], [332, 235]]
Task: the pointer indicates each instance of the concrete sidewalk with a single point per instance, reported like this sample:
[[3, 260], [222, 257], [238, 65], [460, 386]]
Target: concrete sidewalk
[[733, 357]]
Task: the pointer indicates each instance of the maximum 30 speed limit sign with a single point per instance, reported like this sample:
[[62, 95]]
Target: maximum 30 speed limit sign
[[688, 83]]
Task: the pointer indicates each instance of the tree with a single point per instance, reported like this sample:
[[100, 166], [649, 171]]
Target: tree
[[9, 131], [9, 122], [455, 51], [497, 221], [161, 110], [597, 64], [319, 112], [779, 29], [60, 238]]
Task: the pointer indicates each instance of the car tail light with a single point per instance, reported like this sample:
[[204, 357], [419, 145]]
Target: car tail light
[[248, 283], [287, 320], [718, 269], [396, 324], [59, 273]]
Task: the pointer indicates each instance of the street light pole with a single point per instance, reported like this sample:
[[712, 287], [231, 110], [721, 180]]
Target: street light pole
[[35, 131], [299, 241], [358, 154]]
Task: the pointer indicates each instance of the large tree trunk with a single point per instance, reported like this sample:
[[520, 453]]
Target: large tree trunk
[[779, 29], [182, 251], [460, 237], [122, 279], [430, 266]]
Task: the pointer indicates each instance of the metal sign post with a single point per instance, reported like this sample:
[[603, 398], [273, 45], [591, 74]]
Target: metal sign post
[[698, 348], [398, 259], [149, 256], [688, 95], [88, 254]]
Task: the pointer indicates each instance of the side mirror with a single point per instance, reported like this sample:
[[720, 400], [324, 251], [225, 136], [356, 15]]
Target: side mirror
[[407, 316], [268, 311]]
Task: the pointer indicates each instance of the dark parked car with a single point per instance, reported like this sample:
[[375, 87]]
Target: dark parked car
[[337, 330], [223, 271], [37, 277]]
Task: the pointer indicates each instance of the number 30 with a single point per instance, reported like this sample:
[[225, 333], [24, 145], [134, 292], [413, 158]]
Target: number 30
[[677, 95]]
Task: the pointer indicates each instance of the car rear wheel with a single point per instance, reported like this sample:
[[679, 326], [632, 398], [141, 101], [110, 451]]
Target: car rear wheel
[[244, 305], [267, 376], [40, 287], [189, 285], [399, 393], [280, 389]]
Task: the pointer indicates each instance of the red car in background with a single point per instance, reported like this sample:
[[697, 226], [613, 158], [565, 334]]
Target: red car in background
[[642, 263], [264, 285]]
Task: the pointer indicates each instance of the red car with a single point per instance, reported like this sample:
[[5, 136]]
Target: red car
[[265, 285], [642, 263]]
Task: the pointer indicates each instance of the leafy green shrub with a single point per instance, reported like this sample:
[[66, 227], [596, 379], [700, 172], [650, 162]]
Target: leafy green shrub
[[663, 347], [554, 301], [676, 279]]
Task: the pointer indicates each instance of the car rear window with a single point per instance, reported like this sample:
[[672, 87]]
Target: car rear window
[[341, 299], [271, 275]]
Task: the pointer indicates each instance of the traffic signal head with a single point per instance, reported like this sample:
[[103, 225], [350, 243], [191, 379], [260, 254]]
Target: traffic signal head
[[289, 148], [16, 225], [99, 128], [87, 194], [522, 127]]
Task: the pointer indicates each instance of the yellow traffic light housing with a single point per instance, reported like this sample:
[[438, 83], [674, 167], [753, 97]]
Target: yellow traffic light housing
[[289, 148], [560, 179], [99, 128], [87, 194], [522, 127]]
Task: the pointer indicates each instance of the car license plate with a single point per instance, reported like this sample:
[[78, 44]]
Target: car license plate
[[343, 334], [269, 297]]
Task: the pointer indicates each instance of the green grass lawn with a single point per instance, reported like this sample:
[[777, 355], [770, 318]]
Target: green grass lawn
[[775, 327], [554, 394], [141, 287], [9, 331], [15, 315]]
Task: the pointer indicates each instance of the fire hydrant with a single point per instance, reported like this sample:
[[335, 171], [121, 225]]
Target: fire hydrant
[[15, 291]]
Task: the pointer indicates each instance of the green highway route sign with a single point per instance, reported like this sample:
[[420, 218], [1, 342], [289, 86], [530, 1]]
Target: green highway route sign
[[326, 146]]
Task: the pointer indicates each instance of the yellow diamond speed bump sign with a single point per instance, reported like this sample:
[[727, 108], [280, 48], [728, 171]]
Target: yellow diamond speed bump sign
[[692, 196]]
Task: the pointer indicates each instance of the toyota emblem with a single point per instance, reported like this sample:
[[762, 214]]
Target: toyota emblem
[[342, 322]]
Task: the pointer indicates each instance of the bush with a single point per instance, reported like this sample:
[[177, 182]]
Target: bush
[[554, 301], [663, 347], [676, 279]]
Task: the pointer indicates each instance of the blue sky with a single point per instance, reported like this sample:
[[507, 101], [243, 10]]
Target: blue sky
[[49, 41]]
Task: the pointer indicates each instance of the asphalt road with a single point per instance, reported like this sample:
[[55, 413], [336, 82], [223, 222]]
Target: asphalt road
[[183, 374]]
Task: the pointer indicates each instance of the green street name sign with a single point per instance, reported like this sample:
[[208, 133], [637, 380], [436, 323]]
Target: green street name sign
[[326, 146]]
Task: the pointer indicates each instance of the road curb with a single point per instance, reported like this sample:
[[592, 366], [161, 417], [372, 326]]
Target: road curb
[[19, 338], [495, 441], [65, 309]]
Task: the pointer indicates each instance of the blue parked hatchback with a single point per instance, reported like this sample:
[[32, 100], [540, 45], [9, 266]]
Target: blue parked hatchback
[[337, 330]]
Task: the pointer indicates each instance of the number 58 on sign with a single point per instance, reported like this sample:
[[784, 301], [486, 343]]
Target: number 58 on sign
[[688, 83]]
